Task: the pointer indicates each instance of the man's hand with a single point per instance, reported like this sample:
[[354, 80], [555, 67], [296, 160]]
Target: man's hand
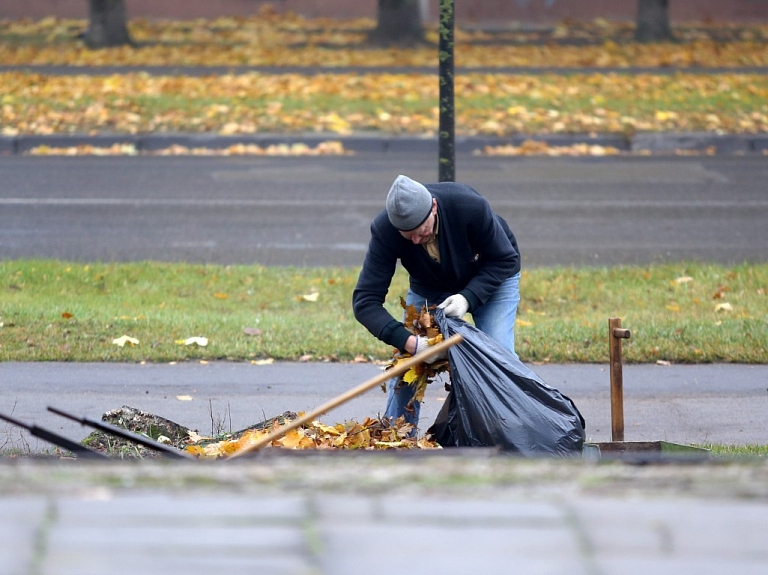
[[422, 344], [455, 306]]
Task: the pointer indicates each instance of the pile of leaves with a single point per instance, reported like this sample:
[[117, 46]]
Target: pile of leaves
[[370, 434], [327, 148], [421, 323]]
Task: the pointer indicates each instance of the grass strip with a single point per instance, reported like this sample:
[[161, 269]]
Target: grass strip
[[67, 311]]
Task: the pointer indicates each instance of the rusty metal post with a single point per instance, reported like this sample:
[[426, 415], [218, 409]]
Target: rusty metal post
[[615, 335]]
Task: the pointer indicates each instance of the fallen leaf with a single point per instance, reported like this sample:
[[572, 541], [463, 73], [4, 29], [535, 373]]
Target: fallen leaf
[[311, 297], [122, 340], [201, 341], [67, 315], [219, 295], [184, 397], [267, 361], [683, 280], [253, 331], [725, 306]]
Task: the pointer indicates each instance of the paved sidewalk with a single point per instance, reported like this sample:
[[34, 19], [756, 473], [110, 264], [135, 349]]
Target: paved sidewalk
[[335, 516]]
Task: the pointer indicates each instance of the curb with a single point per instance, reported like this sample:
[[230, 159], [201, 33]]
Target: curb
[[375, 143]]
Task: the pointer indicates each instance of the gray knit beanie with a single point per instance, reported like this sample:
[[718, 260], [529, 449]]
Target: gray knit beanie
[[409, 204]]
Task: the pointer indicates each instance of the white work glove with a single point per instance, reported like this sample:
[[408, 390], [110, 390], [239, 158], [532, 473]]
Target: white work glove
[[455, 306], [422, 344]]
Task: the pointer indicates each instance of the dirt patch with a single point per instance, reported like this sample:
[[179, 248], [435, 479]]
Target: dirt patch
[[158, 429]]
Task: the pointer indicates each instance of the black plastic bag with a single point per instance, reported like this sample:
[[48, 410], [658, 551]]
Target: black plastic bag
[[496, 400]]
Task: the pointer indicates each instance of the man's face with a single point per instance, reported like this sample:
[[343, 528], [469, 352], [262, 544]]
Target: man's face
[[422, 234]]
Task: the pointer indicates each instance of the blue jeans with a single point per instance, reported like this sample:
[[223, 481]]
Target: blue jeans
[[496, 318]]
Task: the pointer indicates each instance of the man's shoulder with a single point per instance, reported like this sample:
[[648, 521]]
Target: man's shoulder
[[381, 226]]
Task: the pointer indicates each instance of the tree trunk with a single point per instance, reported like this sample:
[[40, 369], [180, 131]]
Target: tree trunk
[[653, 21], [399, 22], [107, 25]]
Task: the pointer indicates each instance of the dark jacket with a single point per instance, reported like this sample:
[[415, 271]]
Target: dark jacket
[[478, 252]]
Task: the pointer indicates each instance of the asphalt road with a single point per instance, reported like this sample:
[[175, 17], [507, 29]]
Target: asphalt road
[[686, 404], [316, 210]]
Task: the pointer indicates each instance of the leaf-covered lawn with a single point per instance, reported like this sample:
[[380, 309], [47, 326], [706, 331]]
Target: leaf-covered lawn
[[492, 104], [289, 40]]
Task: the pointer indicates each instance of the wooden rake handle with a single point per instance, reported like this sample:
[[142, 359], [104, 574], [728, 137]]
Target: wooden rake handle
[[399, 369]]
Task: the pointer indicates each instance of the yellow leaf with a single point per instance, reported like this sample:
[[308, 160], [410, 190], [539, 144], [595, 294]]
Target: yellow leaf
[[523, 323], [184, 397], [311, 297], [725, 306], [673, 307], [219, 295], [684, 280], [121, 341], [267, 361], [293, 438], [325, 428], [410, 375], [389, 444]]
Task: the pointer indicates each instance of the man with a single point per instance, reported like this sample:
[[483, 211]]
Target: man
[[458, 253]]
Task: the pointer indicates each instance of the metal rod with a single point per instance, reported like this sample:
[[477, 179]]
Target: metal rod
[[125, 434], [447, 129], [78, 449], [399, 369], [615, 335]]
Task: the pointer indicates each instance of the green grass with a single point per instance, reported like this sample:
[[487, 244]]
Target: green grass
[[68, 311], [737, 451]]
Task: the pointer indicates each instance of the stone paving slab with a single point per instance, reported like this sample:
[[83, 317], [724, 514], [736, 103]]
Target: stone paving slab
[[166, 533], [338, 533], [20, 519]]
